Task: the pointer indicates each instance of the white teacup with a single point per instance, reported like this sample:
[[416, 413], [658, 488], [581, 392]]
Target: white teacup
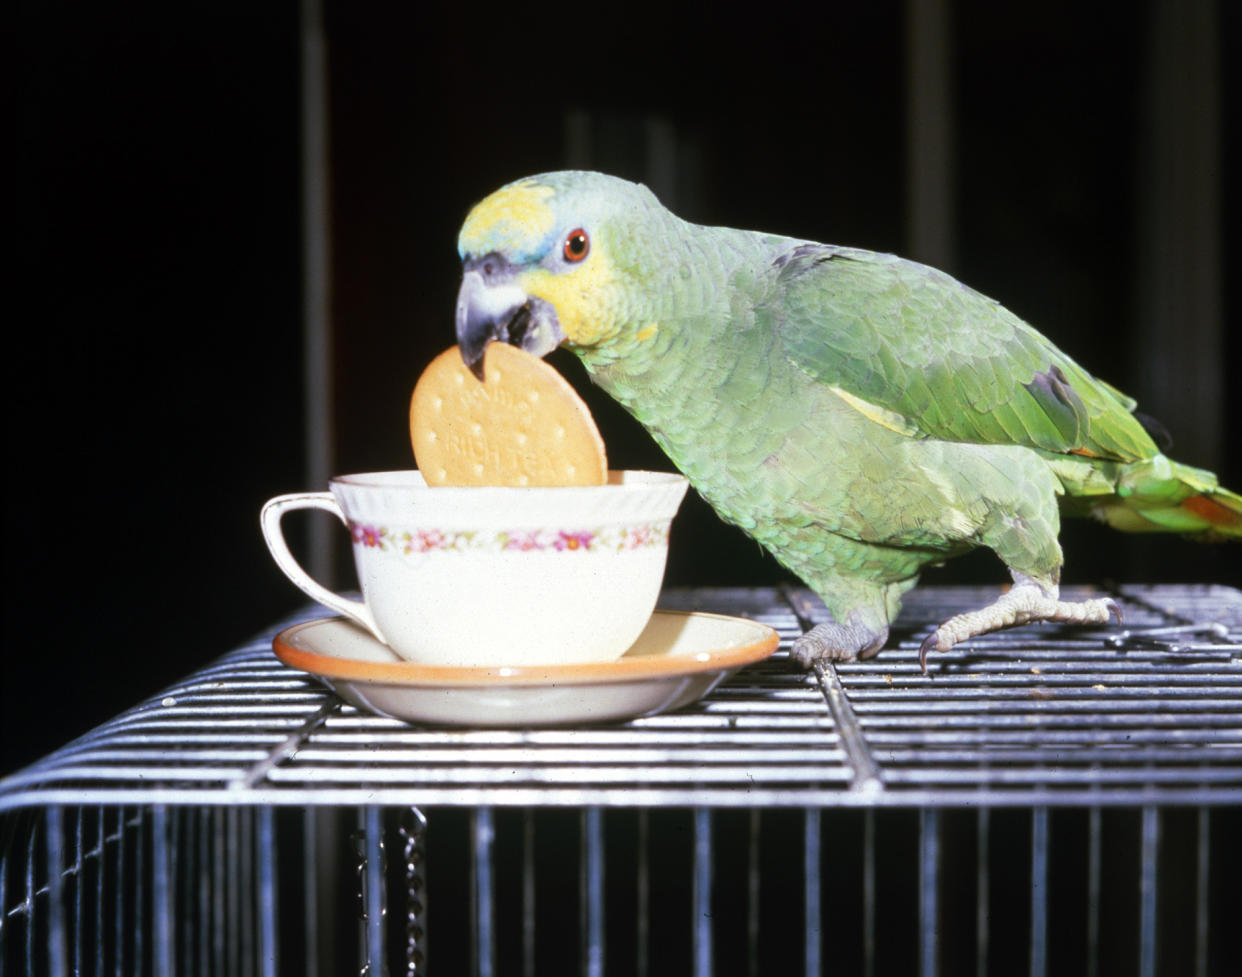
[[471, 576]]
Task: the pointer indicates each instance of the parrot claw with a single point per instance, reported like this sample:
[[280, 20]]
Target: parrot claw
[[932, 641], [1026, 603], [836, 643]]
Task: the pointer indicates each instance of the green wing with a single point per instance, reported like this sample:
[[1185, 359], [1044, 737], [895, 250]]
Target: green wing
[[951, 363]]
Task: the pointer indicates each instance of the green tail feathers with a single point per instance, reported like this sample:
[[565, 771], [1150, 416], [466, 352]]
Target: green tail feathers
[[1163, 496]]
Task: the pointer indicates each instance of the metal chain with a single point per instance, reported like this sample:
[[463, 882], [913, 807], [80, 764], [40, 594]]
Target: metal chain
[[414, 859]]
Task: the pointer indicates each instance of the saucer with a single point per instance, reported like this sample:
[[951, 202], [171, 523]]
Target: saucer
[[679, 658]]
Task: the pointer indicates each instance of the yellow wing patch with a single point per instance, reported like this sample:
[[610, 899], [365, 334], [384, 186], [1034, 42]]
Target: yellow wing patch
[[881, 415], [511, 219]]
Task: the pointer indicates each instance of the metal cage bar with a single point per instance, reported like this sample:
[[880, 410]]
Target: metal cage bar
[[1148, 714], [483, 900], [1039, 892], [1147, 891], [811, 902], [929, 883], [216, 828], [592, 889], [702, 898], [809, 880]]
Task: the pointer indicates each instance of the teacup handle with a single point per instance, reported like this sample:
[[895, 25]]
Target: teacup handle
[[269, 519]]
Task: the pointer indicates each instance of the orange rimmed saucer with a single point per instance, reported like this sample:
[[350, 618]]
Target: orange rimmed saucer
[[679, 658]]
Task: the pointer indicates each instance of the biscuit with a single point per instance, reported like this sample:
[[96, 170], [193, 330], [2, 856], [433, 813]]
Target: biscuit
[[524, 425]]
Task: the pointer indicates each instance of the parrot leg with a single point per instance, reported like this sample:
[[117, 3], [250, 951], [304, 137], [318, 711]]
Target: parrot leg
[[1027, 601], [858, 620]]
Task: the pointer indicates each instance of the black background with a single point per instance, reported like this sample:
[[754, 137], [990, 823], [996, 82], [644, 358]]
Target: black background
[[153, 361]]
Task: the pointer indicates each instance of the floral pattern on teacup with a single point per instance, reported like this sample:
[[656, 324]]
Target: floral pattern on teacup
[[609, 539]]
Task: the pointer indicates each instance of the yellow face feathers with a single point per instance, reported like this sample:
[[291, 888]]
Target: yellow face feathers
[[581, 297], [509, 220]]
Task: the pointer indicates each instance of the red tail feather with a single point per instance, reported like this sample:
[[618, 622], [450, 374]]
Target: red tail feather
[[1210, 510]]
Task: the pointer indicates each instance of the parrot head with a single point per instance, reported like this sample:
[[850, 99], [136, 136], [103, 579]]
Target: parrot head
[[554, 259]]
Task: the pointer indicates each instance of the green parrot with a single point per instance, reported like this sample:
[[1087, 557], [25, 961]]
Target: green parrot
[[861, 416]]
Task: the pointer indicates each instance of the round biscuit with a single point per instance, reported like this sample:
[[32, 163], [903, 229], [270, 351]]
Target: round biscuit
[[524, 425]]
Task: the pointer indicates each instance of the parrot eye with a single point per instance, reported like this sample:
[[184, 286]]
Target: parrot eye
[[577, 244]]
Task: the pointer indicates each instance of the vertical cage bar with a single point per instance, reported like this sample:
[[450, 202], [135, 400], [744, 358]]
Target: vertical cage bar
[[868, 883], [57, 939], [752, 896], [642, 938], [161, 893], [267, 893], [982, 890], [360, 851], [929, 888], [4, 905], [1094, 843], [203, 890], [1203, 856], [79, 875], [528, 893], [219, 907], [31, 848], [233, 903], [483, 892], [1039, 892], [1181, 267], [310, 889], [119, 922], [376, 963], [246, 921], [1147, 891], [930, 132], [319, 435], [138, 930], [811, 894], [172, 840], [101, 881], [702, 894], [187, 875], [324, 832], [592, 885]]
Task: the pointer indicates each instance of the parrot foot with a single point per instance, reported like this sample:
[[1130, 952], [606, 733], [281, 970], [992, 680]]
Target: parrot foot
[[1027, 602], [836, 643]]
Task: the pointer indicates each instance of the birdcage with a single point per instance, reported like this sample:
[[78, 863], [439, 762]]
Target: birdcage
[[1048, 800]]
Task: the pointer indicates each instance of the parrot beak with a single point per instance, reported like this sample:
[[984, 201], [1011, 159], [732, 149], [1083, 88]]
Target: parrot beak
[[492, 306]]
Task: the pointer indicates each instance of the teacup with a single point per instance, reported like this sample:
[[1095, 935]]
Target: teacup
[[483, 576]]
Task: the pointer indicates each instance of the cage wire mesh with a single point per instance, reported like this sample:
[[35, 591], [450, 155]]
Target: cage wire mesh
[[1045, 801]]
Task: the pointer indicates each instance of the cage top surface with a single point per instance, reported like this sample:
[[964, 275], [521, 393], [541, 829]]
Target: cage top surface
[[1145, 713]]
